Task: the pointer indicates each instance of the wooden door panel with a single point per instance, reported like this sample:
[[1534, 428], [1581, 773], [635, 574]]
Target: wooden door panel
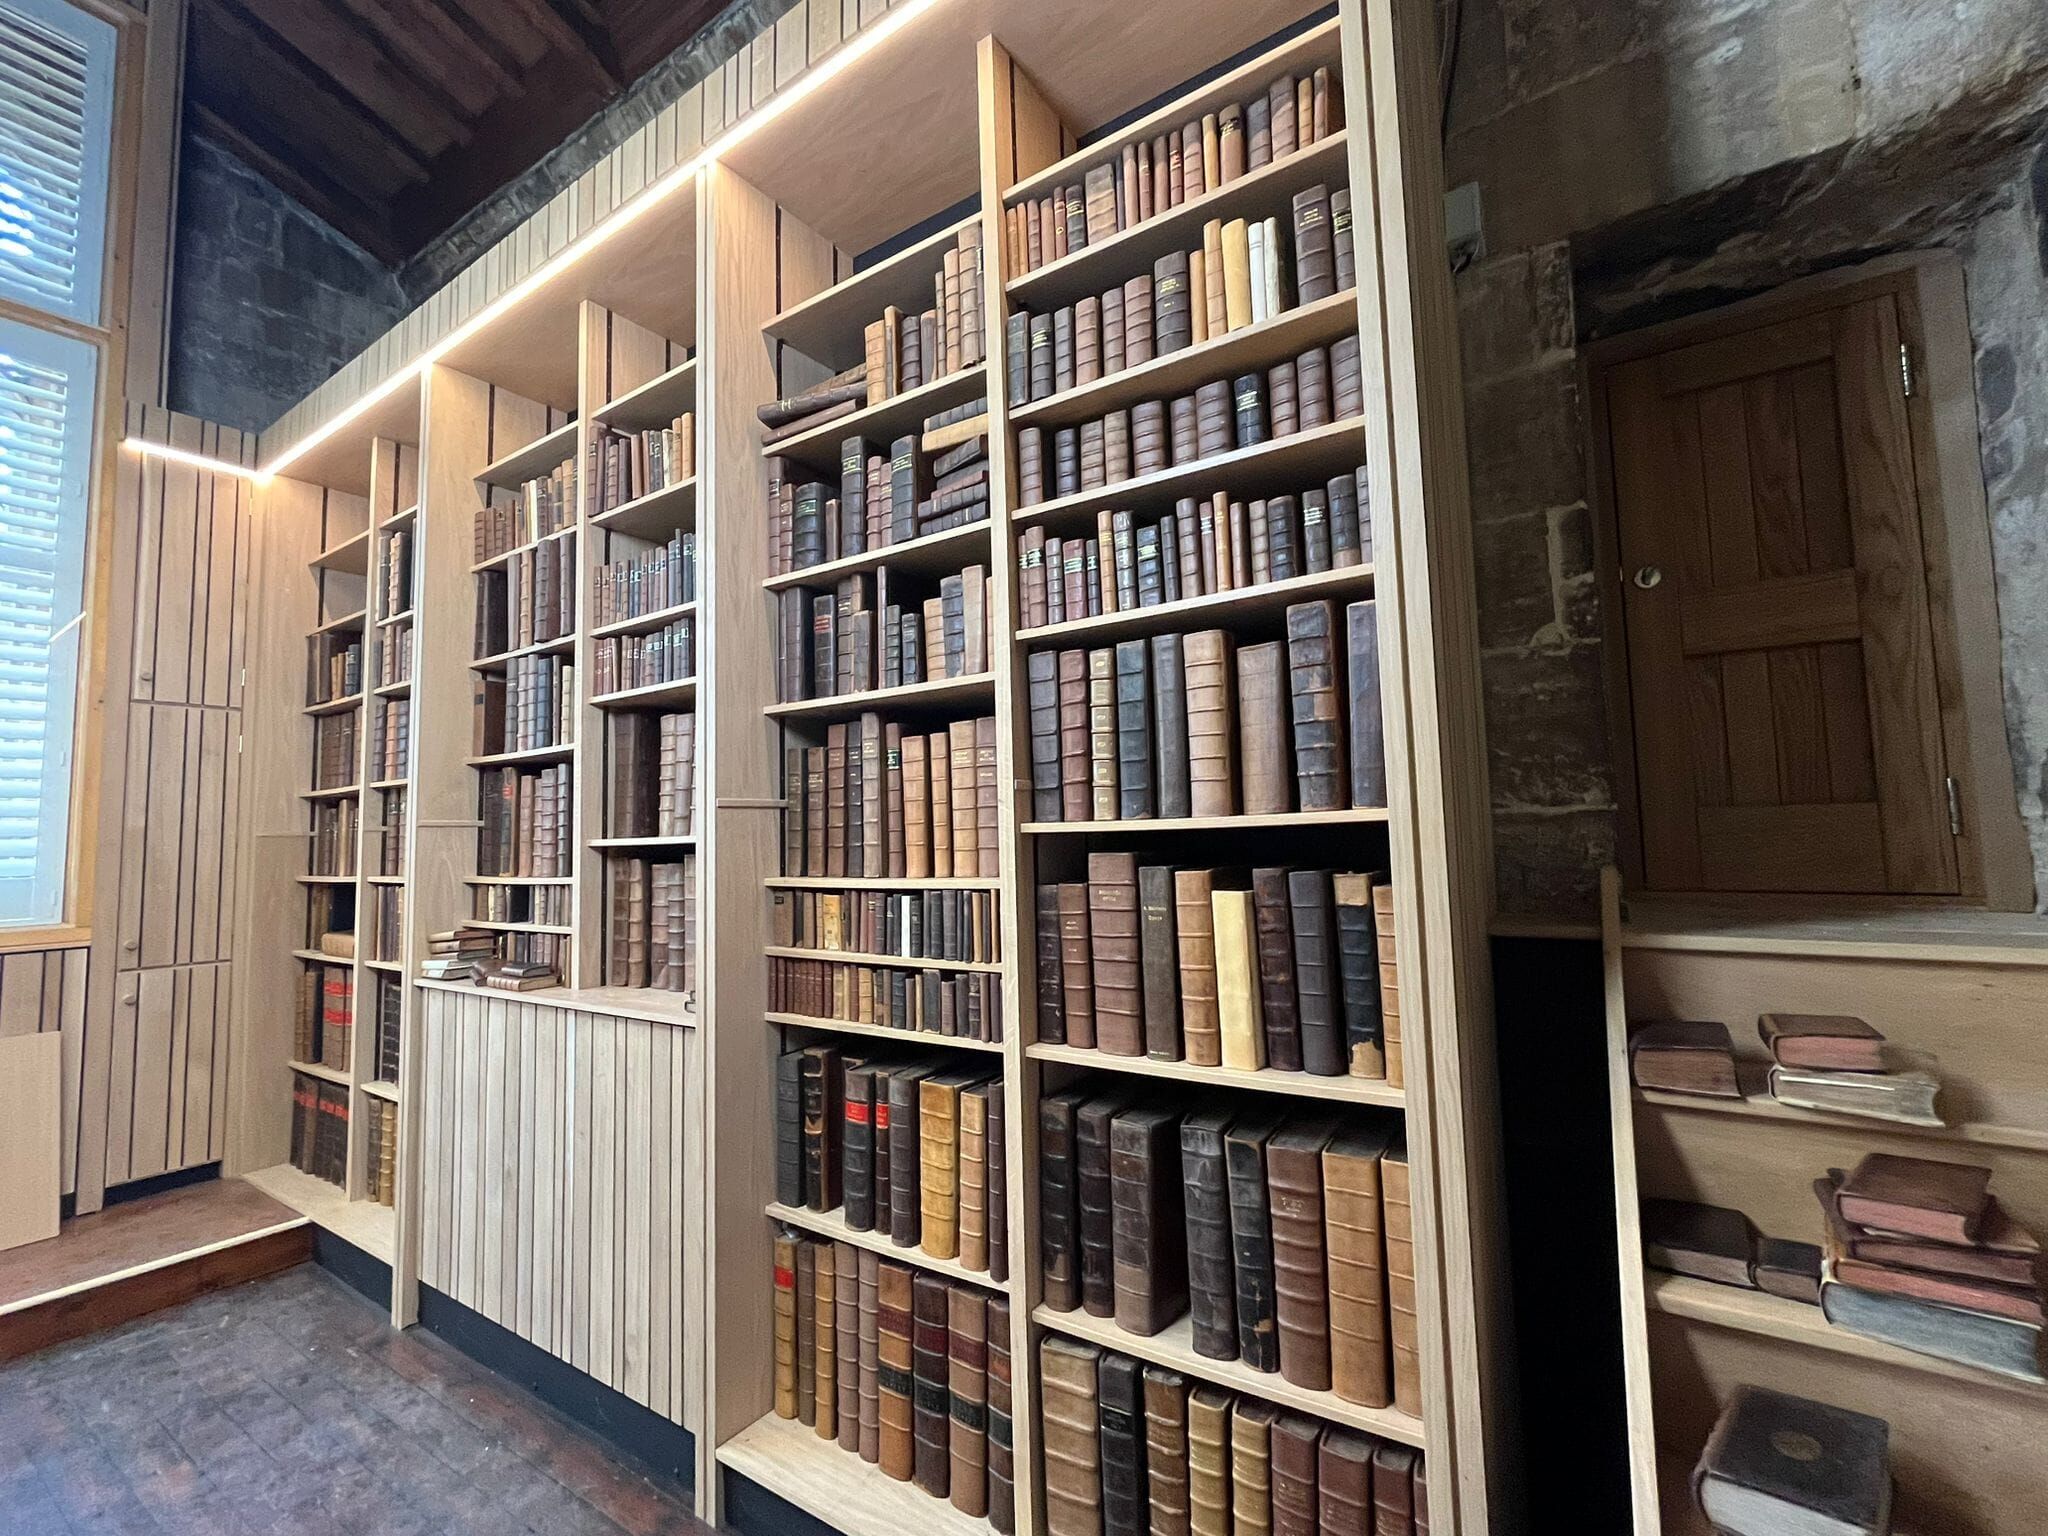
[[1767, 615], [1792, 848]]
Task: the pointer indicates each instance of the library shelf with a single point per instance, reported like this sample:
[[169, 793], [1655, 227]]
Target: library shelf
[[340, 706], [351, 556], [832, 1225], [938, 693], [389, 967], [1174, 1348], [505, 556], [560, 752], [644, 1003], [325, 1073], [830, 327], [1235, 608], [898, 962], [535, 459], [654, 404], [558, 645], [653, 840], [898, 416], [397, 783], [786, 1457], [1300, 1085], [326, 879], [1275, 821], [335, 792], [518, 879], [645, 623], [399, 519], [649, 695], [368, 1225], [346, 623], [883, 1032], [947, 550], [1759, 1105], [501, 927], [377, 1088], [882, 883], [654, 515], [397, 690], [386, 879], [321, 957]]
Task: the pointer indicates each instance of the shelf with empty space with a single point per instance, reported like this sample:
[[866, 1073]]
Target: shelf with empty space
[[327, 879], [649, 695], [938, 693], [394, 618], [948, 550], [378, 1089], [498, 927], [1761, 1106], [385, 879], [340, 706], [898, 416], [397, 690], [1231, 609], [830, 328], [860, 883], [400, 519], [1278, 465], [347, 623], [832, 1225], [884, 1032], [854, 1497], [336, 792], [560, 752], [653, 516], [558, 645], [325, 1073], [899, 962], [1275, 821], [654, 404], [653, 840], [518, 880], [505, 556], [389, 967], [368, 1225], [531, 462], [398, 783], [321, 957], [1174, 1348], [1301, 1085], [351, 556], [646, 623]]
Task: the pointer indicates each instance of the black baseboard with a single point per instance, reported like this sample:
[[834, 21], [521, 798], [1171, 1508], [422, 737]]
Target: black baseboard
[[359, 1271], [664, 1448], [139, 1189], [752, 1510]]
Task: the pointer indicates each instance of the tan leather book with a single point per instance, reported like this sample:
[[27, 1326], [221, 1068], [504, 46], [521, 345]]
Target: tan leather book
[[974, 1191], [876, 340], [1195, 932], [1397, 1219], [1236, 251], [1264, 729], [966, 819], [874, 788], [1166, 1450], [846, 1343], [1071, 1442], [1296, 1440], [939, 778], [894, 1365], [826, 1332], [967, 1398], [1077, 967], [1102, 778], [915, 810], [1216, 295], [806, 1332], [1114, 956], [1198, 291], [785, 1326], [1251, 1467], [1209, 1462], [1240, 1021], [1212, 152], [1212, 723], [1360, 1366], [870, 1357], [1301, 1282], [938, 1135], [1390, 982]]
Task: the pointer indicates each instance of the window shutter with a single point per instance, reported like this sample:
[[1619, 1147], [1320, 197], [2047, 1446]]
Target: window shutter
[[56, 104]]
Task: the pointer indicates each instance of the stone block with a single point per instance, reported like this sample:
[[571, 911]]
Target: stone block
[[1548, 864], [1512, 575], [1524, 441], [1546, 729]]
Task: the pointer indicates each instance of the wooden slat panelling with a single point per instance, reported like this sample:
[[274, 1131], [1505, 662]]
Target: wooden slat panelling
[[554, 1186]]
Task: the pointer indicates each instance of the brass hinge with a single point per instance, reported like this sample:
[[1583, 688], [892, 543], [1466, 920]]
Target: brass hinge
[[1906, 370], [1955, 807]]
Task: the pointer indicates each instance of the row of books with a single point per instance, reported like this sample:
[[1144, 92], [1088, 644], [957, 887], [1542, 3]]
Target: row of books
[[1199, 725], [877, 801], [959, 1005], [319, 1144], [654, 774], [1283, 969], [651, 935], [547, 951], [529, 600], [391, 844], [385, 931], [334, 750], [1214, 545], [324, 1026], [624, 466], [525, 822], [395, 561], [1128, 1445], [539, 507], [394, 740], [531, 704], [390, 1028], [334, 838], [331, 920], [382, 1173], [544, 905], [908, 1146], [654, 581], [510, 972], [906, 1370], [336, 669], [669, 655], [1286, 1241], [910, 925], [1144, 180], [394, 654], [881, 500], [852, 639], [1824, 1061], [1320, 386], [454, 954]]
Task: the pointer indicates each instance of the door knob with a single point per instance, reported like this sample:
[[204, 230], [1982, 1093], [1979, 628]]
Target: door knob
[[1648, 576]]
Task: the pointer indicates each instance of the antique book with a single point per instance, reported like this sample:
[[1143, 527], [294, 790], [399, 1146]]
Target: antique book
[[1358, 970], [1684, 1056], [785, 1324], [895, 1378], [1002, 1484], [1093, 1212], [1172, 303], [1316, 982], [1209, 1462], [967, 1398], [846, 1329], [1393, 1489], [1148, 1233], [1315, 669], [1251, 1239], [1398, 1220], [1159, 962], [857, 1152], [1134, 729], [1907, 1097], [1042, 689], [1776, 1462], [1789, 1269], [1251, 1473], [931, 1404], [1240, 1023], [1212, 1285], [1077, 965], [1171, 764], [1102, 735], [870, 1357], [1272, 918], [1264, 730], [938, 1114], [1708, 1242], [1916, 1197], [1367, 723], [1827, 1041], [1315, 272], [825, 1337], [1998, 1344], [975, 1192], [1212, 723], [1052, 1005], [1359, 1360], [1120, 1423], [1344, 1481], [1070, 1438], [906, 1153], [1114, 959], [1166, 1451], [2004, 1252], [1059, 1227], [1195, 936], [1295, 1441], [1294, 1182], [823, 1076]]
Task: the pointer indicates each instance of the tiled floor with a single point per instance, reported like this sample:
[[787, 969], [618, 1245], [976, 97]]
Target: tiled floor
[[289, 1406]]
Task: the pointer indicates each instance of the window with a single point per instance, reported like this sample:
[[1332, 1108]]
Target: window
[[56, 116]]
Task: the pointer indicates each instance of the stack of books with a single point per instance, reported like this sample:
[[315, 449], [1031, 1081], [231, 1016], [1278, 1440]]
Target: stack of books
[[1838, 1063], [1778, 1463], [1920, 1254], [455, 954], [1713, 1242], [499, 974]]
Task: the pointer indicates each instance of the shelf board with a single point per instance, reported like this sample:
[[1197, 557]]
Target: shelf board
[[340, 706], [326, 1074], [1303, 1085], [370, 1226], [655, 841], [858, 883], [397, 690], [518, 879], [338, 792], [388, 784], [1267, 192], [504, 557], [1249, 349], [655, 515], [854, 1497], [391, 966], [399, 519], [883, 1032], [656, 403], [1281, 464], [1359, 816], [560, 752], [560, 645], [938, 693], [535, 459], [346, 623], [830, 327], [646, 623], [1174, 1348], [351, 555], [388, 1092], [946, 551], [499, 927], [322, 957], [627, 1002], [1235, 608], [897, 962], [394, 618], [326, 879], [832, 1225], [385, 879], [897, 416], [1757, 1105], [1796, 1322], [683, 691]]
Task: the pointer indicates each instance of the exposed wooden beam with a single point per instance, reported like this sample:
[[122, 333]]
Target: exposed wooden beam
[[336, 205], [573, 36], [460, 47]]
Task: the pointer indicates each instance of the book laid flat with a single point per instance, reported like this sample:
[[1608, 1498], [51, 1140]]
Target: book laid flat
[[1071, 1443], [1829, 1041], [1776, 1462], [1788, 1269], [1907, 1097], [1916, 1197], [1708, 1242], [1684, 1056], [1851, 1261], [1997, 1344], [2004, 1252]]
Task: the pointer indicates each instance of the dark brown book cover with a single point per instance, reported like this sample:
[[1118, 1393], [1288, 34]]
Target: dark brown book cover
[[1002, 1477], [1789, 1269], [789, 1128], [1134, 729], [1092, 1206], [1114, 956], [1265, 733], [931, 1402], [1212, 1284], [1274, 920], [1148, 1230], [1779, 1462], [1059, 1227], [1071, 1436], [1170, 776], [1075, 801], [1393, 1490], [1344, 1481], [1159, 953], [823, 1075], [1120, 1419], [1166, 1450], [1315, 270], [1077, 969], [1043, 693], [1294, 1182], [1317, 985], [1295, 1443], [906, 1151], [1358, 967], [1251, 1239], [1315, 666], [967, 1397], [846, 1348], [1916, 1197], [857, 1152], [1684, 1056], [1708, 1242], [1052, 1002]]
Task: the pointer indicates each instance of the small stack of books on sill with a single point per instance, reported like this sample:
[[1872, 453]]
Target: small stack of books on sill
[[455, 954], [502, 975], [1830, 1062]]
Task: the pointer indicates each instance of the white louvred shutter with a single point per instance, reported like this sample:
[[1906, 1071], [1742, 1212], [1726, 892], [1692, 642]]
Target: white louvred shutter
[[56, 113]]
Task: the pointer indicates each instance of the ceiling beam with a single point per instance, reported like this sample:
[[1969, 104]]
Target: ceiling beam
[[461, 47], [575, 37], [325, 200]]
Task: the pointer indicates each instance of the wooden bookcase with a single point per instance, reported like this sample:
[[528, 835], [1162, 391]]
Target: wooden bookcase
[[742, 281]]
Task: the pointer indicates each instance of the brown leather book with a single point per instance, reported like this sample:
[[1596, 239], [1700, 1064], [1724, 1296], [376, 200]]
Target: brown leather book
[[1052, 1002], [1212, 723], [1916, 1197], [1075, 801], [1295, 1443], [1419, 1490], [938, 757], [2005, 1252], [1265, 733], [1093, 1211], [1280, 102], [1344, 1482], [1042, 688], [825, 1334], [874, 788], [846, 1341], [1172, 304], [1170, 769], [1393, 1490], [1251, 1238], [967, 1397], [1059, 1225], [870, 1357], [1788, 1269], [1366, 722], [917, 825], [1251, 1466], [966, 806], [1360, 1366], [1102, 734], [998, 1183], [1397, 1220], [1294, 1183], [785, 1324], [1195, 934], [1166, 1450], [1831, 1042], [906, 1153], [1315, 270], [973, 1177], [1077, 966], [1114, 957], [1390, 989], [1148, 1231], [1071, 1440], [1317, 985], [1209, 1462], [1002, 1485], [930, 1369], [823, 1078], [1359, 973], [938, 1119], [895, 1378], [1212, 1280], [1120, 1422], [1709, 1242], [1239, 1023], [1315, 666], [1159, 956], [1273, 920], [1684, 1056]]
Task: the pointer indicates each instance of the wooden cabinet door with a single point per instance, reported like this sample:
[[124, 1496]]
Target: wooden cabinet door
[[1780, 654]]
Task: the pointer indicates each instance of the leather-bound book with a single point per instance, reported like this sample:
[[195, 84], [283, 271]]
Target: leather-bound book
[[1195, 932], [1087, 339], [1017, 356], [1171, 786], [1776, 1462], [1349, 540], [905, 1154], [825, 1334], [1359, 1361], [1209, 1462], [1093, 1212], [1002, 1477], [1296, 1441], [1341, 240], [1140, 326], [1111, 304], [1212, 1286], [916, 807], [1916, 1197], [1077, 966], [998, 1182], [1212, 723], [967, 1398], [1251, 1466], [1052, 1003], [857, 1153], [1198, 295], [939, 1161], [1280, 100], [1172, 305], [1316, 683], [1830, 1042], [1184, 431], [1258, 132], [1315, 271], [2005, 1253], [1042, 690], [1367, 725], [1419, 1491], [823, 1075], [1282, 405], [807, 1332], [1251, 1239], [1232, 271], [1062, 350], [1059, 1226], [1102, 734], [1159, 957], [1316, 980], [1265, 731], [1684, 1056], [870, 1357], [1273, 922], [846, 1342], [1165, 1399], [789, 1128], [1120, 1420], [785, 1324], [973, 1177], [1789, 1269], [1134, 729], [1393, 1490], [1240, 1023], [1294, 1183], [931, 1403], [1075, 801], [1215, 430], [1358, 967], [1344, 1482], [1114, 957], [1248, 410], [1397, 1220], [1101, 193], [1347, 384], [1312, 388], [1071, 1436], [1148, 1231]]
